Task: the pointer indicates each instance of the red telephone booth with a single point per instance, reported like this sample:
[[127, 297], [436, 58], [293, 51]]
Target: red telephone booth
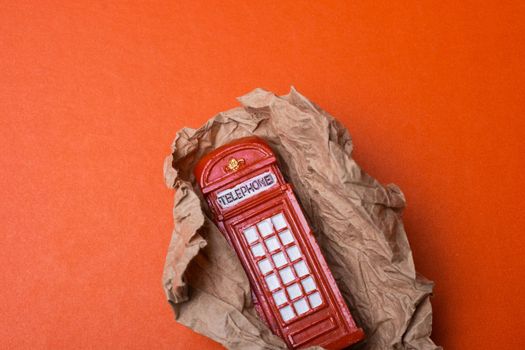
[[256, 210]]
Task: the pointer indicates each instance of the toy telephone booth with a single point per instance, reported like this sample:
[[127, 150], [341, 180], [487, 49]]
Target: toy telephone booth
[[294, 291]]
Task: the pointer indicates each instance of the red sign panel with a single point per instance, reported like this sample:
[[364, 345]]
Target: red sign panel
[[258, 213]]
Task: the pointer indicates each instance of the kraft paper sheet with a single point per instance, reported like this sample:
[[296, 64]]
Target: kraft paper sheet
[[356, 220]]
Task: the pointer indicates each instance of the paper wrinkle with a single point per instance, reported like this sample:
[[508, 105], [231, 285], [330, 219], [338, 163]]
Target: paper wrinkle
[[356, 220]]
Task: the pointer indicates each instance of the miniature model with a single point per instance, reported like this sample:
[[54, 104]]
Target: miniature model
[[293, 290]]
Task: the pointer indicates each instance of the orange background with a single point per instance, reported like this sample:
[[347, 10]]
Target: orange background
[[92, 95]]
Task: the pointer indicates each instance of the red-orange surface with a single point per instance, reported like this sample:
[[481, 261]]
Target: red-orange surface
[[92, 93]]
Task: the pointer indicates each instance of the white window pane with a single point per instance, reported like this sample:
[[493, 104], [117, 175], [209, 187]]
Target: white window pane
[[272, 243], [308, 284], [286, 237], [265, 227], [278, 221], [265, 266], [251, 234], [272, 282], [294, 291], [287, 313], [293, 253], [279, 297], [286, 275], [301, 306], [279, 259], [315, 299], [258, 250], [301, 269]]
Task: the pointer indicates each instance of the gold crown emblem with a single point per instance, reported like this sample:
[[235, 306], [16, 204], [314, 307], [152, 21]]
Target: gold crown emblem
[[234, 164]]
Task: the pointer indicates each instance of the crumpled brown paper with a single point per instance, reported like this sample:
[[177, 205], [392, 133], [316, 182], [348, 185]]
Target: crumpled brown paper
[[357, 222]]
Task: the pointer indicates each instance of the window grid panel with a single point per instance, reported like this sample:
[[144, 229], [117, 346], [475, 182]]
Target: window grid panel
[[265, 227], [301, 269], [279, 297], [279, 259], [287, 313], [286, 237], [250, 234], [308, 284], [294, 291], [265, 266], [301, 306], [272, 243], [272, 282], [258, 251], [287, 276], [279, 221], [315, 300], [293, 252]]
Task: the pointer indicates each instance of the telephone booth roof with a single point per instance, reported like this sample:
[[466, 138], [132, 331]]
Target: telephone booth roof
[[239, 157]]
